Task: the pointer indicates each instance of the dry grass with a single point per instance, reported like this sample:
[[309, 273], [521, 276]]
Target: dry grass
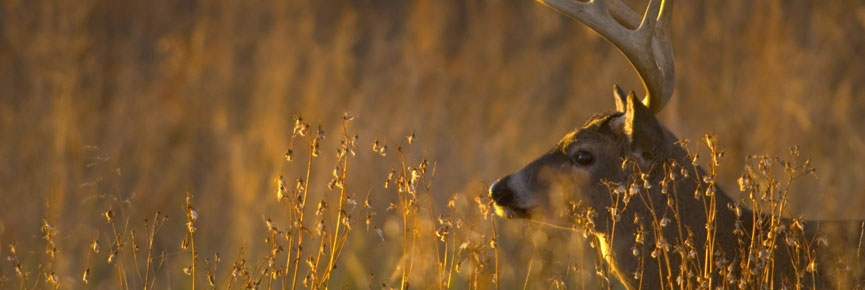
[[124, 107], [346, 239]]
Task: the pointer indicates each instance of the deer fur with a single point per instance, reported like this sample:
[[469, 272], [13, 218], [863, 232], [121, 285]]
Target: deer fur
[[632, 154]]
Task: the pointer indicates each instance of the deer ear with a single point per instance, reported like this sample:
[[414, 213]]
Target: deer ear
[[643, 130], [621, 99]]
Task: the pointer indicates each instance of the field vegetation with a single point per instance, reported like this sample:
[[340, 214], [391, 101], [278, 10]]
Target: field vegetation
[[349, 144]]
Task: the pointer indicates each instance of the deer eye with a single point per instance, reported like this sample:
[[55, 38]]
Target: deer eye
[[584, 158]]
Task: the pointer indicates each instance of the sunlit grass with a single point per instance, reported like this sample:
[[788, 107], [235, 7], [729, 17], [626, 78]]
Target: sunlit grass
[[408, 243], [120, 108]]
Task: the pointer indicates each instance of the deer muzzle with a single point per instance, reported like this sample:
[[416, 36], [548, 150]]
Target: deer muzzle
[[505, 200]]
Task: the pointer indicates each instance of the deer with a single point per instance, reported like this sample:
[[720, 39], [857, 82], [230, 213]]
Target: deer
[[634, 188]]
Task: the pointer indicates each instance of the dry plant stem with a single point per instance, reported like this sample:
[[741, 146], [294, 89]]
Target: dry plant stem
[[191, 215], [134, 252], [861, 235], [531, 261], [452, 267], [158, 266], [495, 254], [155, 225], [405, 207], [274, 245], [85, 277], [758, 232], [427, 187], [338, 242], [321, 246], [290, 238], [117, 243], [710, 207], [405, 216], [299, 245], [114, 252], [236, 268], [120, 257], [643, 191], [50, 252]]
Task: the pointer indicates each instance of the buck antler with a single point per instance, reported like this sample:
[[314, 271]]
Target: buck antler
[[645, 43]]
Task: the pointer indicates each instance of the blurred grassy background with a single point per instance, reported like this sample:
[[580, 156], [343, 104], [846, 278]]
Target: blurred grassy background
[[105, 100]]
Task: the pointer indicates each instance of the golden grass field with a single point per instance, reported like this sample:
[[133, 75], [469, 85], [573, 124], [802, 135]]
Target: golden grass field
[[150, 111]]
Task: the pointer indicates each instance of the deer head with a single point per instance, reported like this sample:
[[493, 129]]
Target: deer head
[[577, 167], [585, 162]]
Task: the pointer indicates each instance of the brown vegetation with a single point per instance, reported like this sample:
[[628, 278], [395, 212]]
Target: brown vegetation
[[123, 107]]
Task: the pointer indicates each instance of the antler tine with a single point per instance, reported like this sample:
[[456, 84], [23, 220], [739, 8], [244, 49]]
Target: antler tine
[[646, 43]]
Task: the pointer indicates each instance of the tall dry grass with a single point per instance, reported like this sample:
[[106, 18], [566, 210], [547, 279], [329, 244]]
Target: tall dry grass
[[123, 107]]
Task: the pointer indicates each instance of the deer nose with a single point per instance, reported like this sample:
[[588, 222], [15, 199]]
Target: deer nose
[[501, 193]]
